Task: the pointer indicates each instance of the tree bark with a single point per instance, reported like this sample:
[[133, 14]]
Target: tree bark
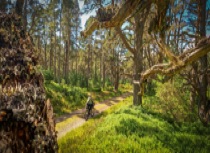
[[103, 69], [3, 4], [204, 65], [25, 15], [51, 51], [60, 47], [138, 55], [66, 64], [26, 116], [55, 48], [117, 75]]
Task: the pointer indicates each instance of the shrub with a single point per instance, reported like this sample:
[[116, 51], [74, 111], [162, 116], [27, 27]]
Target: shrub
[[65, 98], [174, 100], [48, 75]]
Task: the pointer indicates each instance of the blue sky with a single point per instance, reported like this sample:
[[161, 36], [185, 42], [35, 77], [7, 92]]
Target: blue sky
[[84, 17]]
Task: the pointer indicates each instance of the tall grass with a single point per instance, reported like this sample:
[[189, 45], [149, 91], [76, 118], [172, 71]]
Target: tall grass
[[133, 129]]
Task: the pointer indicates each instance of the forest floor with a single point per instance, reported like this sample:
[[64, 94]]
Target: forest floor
[[68, 122]]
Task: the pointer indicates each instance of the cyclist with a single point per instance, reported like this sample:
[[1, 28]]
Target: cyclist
[[90, 104]]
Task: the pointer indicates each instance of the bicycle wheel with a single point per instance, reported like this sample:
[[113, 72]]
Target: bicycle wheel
[[86, 115], [92, 112]]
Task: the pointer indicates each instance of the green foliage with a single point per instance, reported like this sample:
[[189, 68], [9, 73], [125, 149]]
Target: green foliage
[[127, 128], [172, 99], [95, 85], [78, 79], [48, 75], [65, 98]]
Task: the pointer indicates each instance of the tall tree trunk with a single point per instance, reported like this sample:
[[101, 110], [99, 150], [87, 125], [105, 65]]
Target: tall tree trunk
[[117, 75], [45, 56], [77, 52], [60, 47], [3, 5], [19, 7], [66, 71], [88, 65], [45, 46], [59, 64], [204, 65], [103, 69], [95, 68], [25, 15], [113, 2], [138, 57], [51, 51], [55, 48]]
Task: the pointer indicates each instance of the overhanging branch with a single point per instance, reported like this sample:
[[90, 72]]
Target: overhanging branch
[[124, 12], [170, 69]]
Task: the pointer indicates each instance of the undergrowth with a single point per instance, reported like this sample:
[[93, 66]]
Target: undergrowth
[[133, 129], [66, 98]]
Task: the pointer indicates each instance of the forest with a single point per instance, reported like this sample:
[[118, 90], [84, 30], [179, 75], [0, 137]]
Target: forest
[[154, 54]]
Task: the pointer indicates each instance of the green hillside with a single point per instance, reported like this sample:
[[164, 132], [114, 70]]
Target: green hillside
[[126, 128]]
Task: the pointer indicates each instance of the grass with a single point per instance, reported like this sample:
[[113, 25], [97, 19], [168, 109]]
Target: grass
[[133, 129], [65, 98], [65, 122]]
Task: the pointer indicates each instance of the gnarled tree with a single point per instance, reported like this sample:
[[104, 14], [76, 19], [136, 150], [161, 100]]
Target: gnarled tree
[[175, 64]]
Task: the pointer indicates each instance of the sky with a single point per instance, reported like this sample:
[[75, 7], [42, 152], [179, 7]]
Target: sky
[[84, 17]]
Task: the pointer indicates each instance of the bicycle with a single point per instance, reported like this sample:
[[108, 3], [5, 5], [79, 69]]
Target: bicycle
[[88, 113]]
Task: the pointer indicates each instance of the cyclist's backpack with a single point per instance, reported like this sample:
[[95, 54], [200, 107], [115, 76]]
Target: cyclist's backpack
[[90, 101]]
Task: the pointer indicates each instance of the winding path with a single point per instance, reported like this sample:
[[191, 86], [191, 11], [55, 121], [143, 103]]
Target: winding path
[[77, 116]]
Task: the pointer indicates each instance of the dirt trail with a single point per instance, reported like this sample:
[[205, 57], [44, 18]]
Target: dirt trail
[[77, 116]]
